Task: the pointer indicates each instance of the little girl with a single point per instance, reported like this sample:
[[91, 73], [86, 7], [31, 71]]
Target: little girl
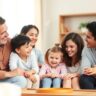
[[51, 73], [72, 47]]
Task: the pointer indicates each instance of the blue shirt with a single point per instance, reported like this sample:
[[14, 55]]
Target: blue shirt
[[39, 56]]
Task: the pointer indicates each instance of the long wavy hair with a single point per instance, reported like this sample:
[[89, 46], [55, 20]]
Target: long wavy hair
[[77, 39]]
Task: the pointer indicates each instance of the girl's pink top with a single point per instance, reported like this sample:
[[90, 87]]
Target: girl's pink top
[[60, 70]]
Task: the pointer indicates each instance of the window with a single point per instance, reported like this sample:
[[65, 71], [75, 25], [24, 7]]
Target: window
[[17, 13]]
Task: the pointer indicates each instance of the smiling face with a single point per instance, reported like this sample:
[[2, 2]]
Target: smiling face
[[90, 41], [71, 48], [3, 34], [24, 51], [33, 35], [54, 59]]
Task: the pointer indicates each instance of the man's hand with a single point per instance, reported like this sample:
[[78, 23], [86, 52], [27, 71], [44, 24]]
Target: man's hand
[[90, 71], [15, 72], [18, 72]]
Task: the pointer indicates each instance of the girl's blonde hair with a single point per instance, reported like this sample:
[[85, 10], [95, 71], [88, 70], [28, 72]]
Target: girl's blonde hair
[[55, 49]]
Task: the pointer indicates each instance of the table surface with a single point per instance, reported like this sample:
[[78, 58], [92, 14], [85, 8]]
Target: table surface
[[33, 92]]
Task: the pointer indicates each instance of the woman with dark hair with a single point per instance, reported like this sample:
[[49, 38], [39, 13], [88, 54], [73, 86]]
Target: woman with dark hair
[[32, 32], [72, 47]]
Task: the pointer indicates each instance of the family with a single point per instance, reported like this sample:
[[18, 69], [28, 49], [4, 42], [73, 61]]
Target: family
[[71, 64]]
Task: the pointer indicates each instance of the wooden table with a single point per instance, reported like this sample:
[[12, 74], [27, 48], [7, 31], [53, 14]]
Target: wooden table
[[31, 92]]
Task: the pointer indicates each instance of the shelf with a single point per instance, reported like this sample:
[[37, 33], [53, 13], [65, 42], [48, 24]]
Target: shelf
[[71, 22]]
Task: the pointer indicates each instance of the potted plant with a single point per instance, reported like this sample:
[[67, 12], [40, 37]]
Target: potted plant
[[82, 27]]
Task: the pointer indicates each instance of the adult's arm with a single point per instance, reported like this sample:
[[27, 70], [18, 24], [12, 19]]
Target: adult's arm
[[5, 74], [86, 60]]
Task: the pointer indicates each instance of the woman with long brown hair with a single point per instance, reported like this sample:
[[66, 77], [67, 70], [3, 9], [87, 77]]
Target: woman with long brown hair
[[72, 47]]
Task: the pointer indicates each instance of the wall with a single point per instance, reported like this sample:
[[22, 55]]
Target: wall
[[51, 9], [19, 13]]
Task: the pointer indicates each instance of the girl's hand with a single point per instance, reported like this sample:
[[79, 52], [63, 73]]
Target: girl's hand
[[49, 75], [54, 75]]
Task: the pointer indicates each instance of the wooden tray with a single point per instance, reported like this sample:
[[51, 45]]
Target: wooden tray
[[54, 90]]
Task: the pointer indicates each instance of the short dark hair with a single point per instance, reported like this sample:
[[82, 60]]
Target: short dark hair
[[2, 20], [18, 41], [77, 39], [26, 28], [92, 28]]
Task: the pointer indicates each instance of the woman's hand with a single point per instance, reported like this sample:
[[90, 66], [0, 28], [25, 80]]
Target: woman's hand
[[70, 75]]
